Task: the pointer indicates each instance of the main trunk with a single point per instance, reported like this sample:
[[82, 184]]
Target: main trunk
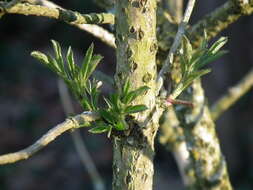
[[136, 51]]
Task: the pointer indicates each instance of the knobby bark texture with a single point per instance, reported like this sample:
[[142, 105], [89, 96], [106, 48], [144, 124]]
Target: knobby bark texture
[[191, 134], [207, 165], [136, 52]]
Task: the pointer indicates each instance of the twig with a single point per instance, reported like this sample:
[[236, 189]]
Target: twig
[[97, 31], [219, 19], [78, 121], [175, 45], [67, 16], [176, 9], [233, 94], [100, 33], [77, 139]]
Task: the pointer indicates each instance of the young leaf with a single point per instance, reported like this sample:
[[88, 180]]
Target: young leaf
[[106, 115], [126, 88], [187, 48], [131, 96], [135, 109], [86, 105], [72, 68], [58, 54], [120, 126], [115, 100], [218, 44], [93, 64], [40, 56], [86, 61], [99, 129]]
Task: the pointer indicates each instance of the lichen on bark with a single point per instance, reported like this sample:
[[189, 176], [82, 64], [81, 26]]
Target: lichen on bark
[[207, 163]]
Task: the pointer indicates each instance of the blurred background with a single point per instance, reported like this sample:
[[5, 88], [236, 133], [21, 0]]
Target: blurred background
[[30, 105]]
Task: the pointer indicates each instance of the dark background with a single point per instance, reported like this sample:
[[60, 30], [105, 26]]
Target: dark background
[[30, 105]]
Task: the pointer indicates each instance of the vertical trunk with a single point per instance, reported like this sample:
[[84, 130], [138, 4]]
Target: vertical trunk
[[136, 52]]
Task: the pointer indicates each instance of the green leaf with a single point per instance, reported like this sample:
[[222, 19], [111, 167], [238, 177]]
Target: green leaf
[[73, 69], [211, 58], [131, 96], [187, 49], [193, 76], [58, 54], [115, 100], [93, 64], [40, 56], [135, 109], [126, 88], [99, 129], [86, 61], [120, 126], [204, 41], [106, 115], [218, 44], [108, 102], [86, 105]]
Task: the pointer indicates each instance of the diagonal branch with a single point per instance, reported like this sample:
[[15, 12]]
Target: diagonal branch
[[220, 19], [176, 43], [233, 94], [67, 16], [78, 121]]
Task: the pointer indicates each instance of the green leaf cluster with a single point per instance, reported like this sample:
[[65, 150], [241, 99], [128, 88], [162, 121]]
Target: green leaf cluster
[[193, 61], [119, 105], [77, 78]]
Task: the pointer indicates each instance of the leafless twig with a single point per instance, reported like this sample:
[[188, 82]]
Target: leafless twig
[[175, 45], [233, 94]]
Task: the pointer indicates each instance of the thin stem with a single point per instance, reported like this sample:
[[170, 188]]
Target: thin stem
[[175, 8], [81, 149], [78, 121], [232, 96], [181, 30]]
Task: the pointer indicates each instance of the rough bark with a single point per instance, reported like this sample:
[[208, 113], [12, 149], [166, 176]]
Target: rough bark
[[136, 52], [207, 163]]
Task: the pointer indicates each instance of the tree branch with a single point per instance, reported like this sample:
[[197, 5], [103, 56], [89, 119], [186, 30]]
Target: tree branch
[[232, 96], [219, 19], [67, 16], [78, 121], [176, 43], [97, 31]]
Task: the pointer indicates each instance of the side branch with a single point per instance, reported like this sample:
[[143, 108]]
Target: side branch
[[78, 121], [67, 16], [232, 96], [170, 58], [219, 19]]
